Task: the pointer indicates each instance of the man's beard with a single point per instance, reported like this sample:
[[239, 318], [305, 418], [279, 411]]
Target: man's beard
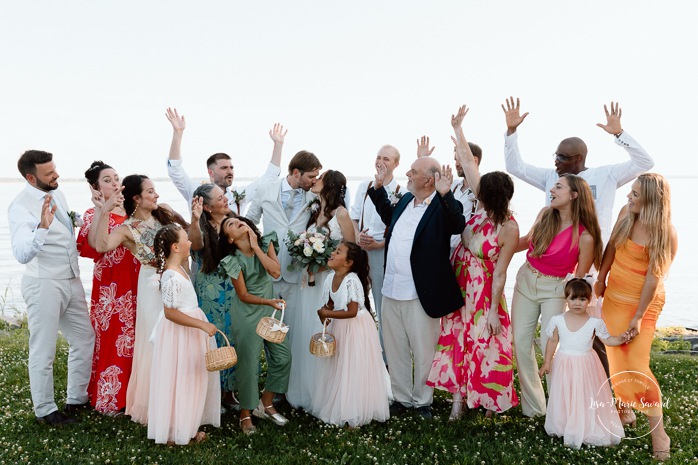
[[45, 187]]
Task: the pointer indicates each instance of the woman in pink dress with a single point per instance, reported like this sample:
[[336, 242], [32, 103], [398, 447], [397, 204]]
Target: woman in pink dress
[[474, 354], [113, 302]]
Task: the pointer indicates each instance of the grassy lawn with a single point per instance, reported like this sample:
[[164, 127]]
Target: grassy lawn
[[509, 438]]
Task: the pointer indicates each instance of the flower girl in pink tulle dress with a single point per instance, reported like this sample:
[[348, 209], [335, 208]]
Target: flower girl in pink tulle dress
[[183, 394], [581, 408], [352, 385]]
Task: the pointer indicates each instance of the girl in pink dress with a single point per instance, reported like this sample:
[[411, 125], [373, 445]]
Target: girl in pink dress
[[183, 394], [581, 408], [351, 385]]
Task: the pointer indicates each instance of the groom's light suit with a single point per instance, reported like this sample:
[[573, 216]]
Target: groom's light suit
[[54, 295]]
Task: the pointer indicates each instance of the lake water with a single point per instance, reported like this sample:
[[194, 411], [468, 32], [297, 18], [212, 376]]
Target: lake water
[[680, 308]]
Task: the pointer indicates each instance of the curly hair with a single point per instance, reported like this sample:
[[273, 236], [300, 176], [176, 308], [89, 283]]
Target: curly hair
[[360, 266], [495, 191], [164, 239], [93, 172], [334, 188]]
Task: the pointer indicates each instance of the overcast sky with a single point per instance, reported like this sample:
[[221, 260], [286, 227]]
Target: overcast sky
[[91, 80]]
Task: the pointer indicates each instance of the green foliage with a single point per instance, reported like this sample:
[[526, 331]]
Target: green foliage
[[662, 345], [507, 439]]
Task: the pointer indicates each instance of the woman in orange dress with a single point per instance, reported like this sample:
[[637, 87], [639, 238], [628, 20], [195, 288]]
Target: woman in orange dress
[[642, 246]]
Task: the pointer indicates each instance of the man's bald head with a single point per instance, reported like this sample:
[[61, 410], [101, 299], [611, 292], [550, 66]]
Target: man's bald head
[[570, 156]]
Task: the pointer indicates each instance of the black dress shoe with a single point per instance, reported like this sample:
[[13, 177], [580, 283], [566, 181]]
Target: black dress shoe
[[397, 409], [424, 412], [72, 409], [56, 418]]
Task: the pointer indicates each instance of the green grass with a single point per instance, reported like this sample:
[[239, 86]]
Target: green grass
[[475, 439]]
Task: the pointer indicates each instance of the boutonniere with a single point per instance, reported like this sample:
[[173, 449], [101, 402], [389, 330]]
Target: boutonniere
[[396, 196], [238, 197], [76, 219], [313, 205], [427, 201]]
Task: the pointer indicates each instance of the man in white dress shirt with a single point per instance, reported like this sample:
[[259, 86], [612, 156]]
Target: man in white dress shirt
[[371, 228], [41, 230], [220, 168], [570, 157]]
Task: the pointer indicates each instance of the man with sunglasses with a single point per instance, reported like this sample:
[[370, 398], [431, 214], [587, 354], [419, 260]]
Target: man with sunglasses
[[570, 157]]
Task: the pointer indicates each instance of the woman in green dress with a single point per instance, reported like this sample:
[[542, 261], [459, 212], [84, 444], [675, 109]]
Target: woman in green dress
[[250, 262], [214, 290]]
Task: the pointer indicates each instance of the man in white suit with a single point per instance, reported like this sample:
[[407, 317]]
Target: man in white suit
[[284, 206], [41, 230]]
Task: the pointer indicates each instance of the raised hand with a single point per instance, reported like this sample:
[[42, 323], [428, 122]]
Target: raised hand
[[423, 149], [47, 212], [381, 173], [97, 198], [457, 119], [277, 133], [197, 208], [612, 125], [116, 200], [253, 239], [513, 118], [443, 180], [177, 121]]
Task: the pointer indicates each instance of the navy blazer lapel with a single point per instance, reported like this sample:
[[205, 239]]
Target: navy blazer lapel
[[431, 208]]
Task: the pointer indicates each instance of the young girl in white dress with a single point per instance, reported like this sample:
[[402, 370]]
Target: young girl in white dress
[[581, 409], [183, 394], [352, 386]]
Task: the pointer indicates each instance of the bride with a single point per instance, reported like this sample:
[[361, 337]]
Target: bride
[[329, 216]]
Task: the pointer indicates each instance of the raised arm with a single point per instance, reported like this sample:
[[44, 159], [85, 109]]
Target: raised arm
[[379, 196], [515, 165], [463, 152], [423, 149], [453, 209], [640, 161], [175, 170], [26, 233], [195, 234]]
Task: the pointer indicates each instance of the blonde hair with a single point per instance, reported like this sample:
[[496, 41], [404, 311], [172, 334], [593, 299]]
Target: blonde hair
[[655, 214], [583, 212]]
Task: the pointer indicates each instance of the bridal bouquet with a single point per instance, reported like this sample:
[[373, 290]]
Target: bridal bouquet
[[310, 249]]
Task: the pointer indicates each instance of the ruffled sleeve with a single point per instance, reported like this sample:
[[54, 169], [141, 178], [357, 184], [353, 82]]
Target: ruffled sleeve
[[601, 329], [171, 289], [270, 238], [230, 266], [552, 324], [355, 290]]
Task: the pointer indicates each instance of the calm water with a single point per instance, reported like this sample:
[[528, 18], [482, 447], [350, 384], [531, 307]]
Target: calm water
[[680, 309]]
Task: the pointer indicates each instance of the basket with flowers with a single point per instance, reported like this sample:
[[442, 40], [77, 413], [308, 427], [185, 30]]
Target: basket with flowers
[[311, 250]]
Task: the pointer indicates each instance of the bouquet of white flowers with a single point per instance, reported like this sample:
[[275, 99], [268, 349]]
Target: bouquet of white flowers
[[311, 249]]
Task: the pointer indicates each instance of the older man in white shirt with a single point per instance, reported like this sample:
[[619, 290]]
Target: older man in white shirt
[[220, 168], [41, 229], [372, 230]]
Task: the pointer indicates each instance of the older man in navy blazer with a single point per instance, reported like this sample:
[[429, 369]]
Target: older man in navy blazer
[[419, 285]]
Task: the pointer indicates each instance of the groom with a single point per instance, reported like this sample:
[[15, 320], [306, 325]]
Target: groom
[[42, 238], [283, 204]]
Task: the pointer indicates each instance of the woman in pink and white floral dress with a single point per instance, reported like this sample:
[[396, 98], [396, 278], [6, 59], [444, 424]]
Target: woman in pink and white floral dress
[[474, 359]]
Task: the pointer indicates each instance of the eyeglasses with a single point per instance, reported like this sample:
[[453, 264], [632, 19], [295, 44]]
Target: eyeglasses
[[561, 157]]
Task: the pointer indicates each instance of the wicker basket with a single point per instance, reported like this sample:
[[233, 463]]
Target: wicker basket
[[323, 344], [271, 329], [222, 357]]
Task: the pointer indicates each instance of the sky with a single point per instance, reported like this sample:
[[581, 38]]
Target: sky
[[91, 80]]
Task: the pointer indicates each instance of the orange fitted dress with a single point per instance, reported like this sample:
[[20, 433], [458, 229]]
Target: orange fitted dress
[[631, 378]]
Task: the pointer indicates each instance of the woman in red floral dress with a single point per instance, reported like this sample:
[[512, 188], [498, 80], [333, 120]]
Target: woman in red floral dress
[[112, 304], [474, 359]]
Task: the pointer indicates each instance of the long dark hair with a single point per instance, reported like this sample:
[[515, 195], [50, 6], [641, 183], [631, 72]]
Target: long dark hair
[[359, 265], [133, 186], [226, 248], [334, 188], [495, 191], [210, 254], [93, 172]]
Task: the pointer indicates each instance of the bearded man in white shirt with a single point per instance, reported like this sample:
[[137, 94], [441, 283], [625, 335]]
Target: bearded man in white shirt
[[220, 167], [372, 230], [42, 235]]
